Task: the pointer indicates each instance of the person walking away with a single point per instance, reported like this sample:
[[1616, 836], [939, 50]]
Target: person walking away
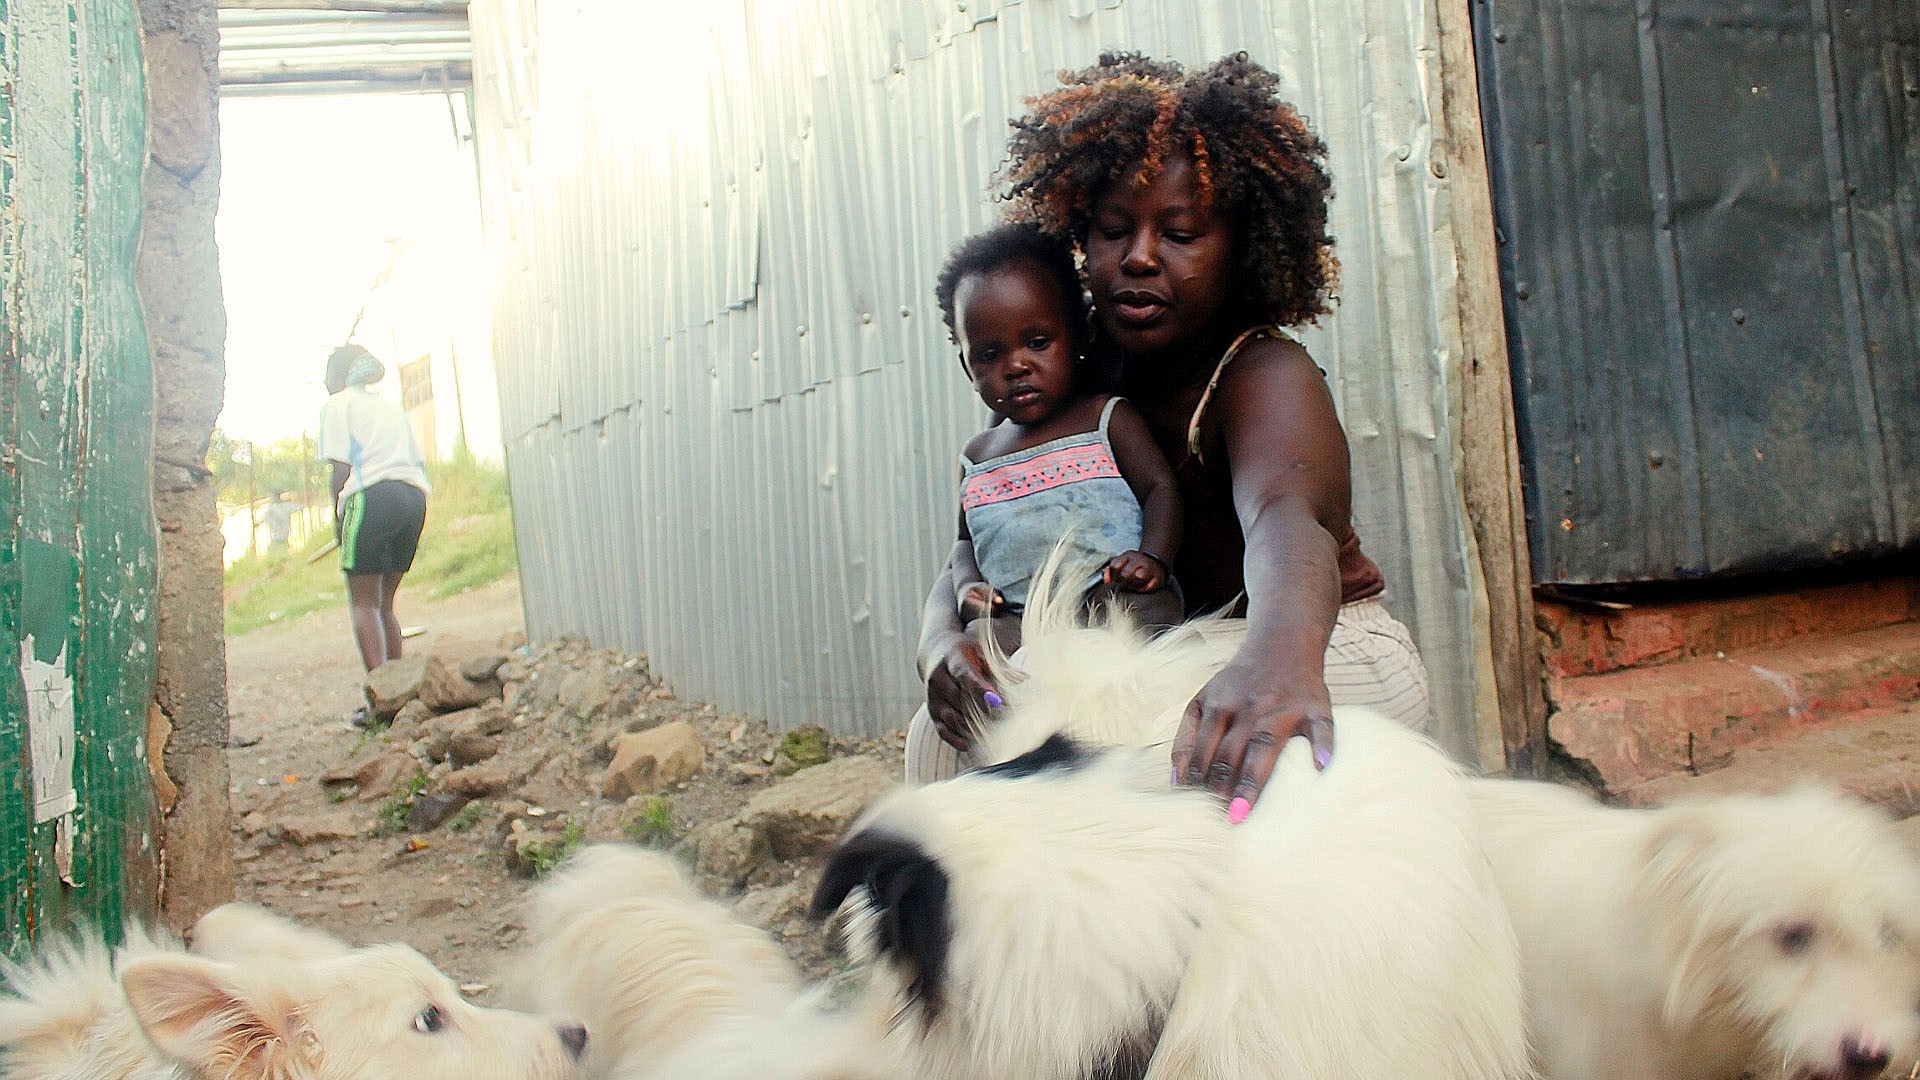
[[380, 491]]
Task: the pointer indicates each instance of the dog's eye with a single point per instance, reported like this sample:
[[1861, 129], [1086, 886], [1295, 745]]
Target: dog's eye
[[1795, 938], [430, 1020]]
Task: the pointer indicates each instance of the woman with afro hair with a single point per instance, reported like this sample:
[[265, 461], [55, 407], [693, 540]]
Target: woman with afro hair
[[1198, 201]]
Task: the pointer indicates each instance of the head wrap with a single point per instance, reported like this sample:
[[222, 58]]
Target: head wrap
[[366, 370]]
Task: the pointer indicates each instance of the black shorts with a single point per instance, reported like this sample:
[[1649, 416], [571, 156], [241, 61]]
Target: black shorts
[[380, 528]]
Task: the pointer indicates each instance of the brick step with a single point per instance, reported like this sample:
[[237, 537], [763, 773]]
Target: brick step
[[1635, 726], [1874, 754], [1589, 639]]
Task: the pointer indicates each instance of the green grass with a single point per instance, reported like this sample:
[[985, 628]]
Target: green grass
[[651, 824], [468, 817], [545, 856], [468, 542], [392, 817]]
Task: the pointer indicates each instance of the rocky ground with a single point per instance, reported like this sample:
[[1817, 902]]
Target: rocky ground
[[496, 758]]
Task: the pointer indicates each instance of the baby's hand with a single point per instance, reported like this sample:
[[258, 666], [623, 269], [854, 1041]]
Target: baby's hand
[[980, 601], [1135, 571]]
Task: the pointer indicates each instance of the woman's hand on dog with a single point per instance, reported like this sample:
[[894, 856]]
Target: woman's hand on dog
[[1235, 728], [957, 685]]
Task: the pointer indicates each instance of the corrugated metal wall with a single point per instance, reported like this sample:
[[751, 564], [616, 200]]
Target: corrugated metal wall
[[77, 565], [1711, 217], [730, 408]]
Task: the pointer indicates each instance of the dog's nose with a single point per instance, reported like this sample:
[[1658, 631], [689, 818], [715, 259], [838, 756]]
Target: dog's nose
[[1859, 1061], [574, 1038]]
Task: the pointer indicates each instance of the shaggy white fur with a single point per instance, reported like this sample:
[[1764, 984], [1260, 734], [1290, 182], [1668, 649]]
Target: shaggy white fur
[[1046, 919], [1777, 933], [150, 1011], [672, 986]]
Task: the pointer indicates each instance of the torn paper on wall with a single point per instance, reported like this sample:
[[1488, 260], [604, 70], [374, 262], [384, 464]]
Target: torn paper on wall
[[50, 729]]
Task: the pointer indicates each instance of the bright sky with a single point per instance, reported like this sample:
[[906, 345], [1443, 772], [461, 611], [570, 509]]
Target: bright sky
[[311, 190]]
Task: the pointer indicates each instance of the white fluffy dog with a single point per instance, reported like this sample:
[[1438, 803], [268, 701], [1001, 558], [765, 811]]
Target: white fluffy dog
[[288, 1009], [1775, 933], [1067, 913], [673, 986]]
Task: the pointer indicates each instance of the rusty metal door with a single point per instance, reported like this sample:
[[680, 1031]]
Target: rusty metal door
[[1709, 218], [77, 554]]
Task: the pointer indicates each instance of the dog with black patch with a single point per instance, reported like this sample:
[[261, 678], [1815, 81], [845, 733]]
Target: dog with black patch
[[1068, 913]]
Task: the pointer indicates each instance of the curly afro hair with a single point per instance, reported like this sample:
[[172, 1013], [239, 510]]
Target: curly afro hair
[[1253, 158], [985, 252]]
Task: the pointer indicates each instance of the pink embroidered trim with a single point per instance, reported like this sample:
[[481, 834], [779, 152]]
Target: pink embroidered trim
[[1068, 465]]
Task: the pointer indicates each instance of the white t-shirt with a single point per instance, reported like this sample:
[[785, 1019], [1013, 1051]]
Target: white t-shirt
[[370, 435]]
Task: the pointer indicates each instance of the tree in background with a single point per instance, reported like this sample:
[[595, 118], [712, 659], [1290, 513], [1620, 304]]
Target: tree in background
[[247, 471]]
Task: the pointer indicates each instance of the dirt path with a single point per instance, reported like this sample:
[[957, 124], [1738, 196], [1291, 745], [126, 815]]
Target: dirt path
[[292, 687], [340, 861]]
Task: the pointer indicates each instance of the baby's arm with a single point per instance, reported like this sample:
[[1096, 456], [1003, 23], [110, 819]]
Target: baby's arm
[[975, 598], [1148, 474]]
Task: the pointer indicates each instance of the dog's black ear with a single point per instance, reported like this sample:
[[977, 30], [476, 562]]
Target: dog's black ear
[[907, 891], [1058, 752]]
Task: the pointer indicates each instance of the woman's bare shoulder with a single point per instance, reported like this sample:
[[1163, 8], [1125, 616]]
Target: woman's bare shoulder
[[1273, 366], [1273, 349]]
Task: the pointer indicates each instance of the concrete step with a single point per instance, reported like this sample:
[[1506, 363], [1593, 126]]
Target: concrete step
[[1874, 754], [1631, 727], [1594, 637]]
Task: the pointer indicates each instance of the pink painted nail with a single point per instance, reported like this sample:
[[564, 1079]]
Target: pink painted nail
[[1237, 811]]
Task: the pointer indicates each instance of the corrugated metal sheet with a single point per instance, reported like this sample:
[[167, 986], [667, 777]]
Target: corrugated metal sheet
[[78, 568], [280, 51], [1711, 217], [730, 408]]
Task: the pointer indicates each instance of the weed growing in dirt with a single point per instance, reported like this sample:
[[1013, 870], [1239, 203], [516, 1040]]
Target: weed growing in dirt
[[651, 825], [468, 817], [545, 856], [805, 746], [367, 737], [393, 813]]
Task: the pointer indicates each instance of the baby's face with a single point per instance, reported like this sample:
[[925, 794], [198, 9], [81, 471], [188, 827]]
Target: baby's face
[[1015, 340]]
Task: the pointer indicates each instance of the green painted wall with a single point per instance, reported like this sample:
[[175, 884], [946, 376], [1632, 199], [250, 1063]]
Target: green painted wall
[[77, 566]]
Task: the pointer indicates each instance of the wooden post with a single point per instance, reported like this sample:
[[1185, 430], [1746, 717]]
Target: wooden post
[[306, 487], [253, 518], [1489, 446]]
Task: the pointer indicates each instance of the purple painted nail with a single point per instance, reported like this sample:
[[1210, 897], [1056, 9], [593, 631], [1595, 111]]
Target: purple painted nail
[[1237, 811], [1322, 756], [992, 699], [1175, 782]]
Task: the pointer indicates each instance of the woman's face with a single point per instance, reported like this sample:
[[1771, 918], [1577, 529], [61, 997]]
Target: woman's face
[[1158, 262]]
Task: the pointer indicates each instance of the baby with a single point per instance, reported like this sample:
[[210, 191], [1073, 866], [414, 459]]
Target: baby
[[1064, 460]]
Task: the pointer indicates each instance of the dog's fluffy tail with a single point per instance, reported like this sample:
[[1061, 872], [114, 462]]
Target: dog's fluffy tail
[[62, 1000], [600, 876], [622, 942], [1106, 684]]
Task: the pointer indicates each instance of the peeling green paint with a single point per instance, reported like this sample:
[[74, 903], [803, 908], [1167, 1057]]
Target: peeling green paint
[[78, 564]]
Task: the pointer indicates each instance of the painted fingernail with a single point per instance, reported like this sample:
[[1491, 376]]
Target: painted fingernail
[[1175, 782], [992, 699], [1322, 756], [1237, 811]]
